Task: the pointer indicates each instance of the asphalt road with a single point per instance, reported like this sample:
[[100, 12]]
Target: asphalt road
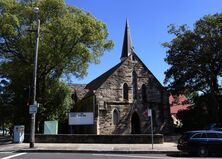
[[10, 155]]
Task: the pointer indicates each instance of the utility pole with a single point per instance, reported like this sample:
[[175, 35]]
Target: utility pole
[[33, 114], [150, 114]]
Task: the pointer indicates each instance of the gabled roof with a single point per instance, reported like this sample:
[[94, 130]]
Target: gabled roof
[[127, 43], [79, 89], [96, 83], [135, 55]]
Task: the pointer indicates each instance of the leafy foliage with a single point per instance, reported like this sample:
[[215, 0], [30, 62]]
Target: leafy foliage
[[70, 39], [195, 56], [203, 108], [195, 59]]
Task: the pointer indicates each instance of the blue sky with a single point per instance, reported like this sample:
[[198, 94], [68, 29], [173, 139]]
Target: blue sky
[[148, 20]]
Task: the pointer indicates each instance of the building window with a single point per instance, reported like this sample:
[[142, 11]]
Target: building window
[[115, 117], [125, 91], [144, 96]]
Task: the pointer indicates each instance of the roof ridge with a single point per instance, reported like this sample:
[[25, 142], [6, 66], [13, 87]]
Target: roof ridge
[[149, 70], [96, 83]]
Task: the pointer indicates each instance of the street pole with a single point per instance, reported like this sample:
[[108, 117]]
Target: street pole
[[94, 106], [150, 114], [33, 115], [151, 126]]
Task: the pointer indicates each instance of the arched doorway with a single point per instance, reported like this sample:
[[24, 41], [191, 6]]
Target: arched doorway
[[135, 124]]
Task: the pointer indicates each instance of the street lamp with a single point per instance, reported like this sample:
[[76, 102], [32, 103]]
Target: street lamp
[[33, 114]]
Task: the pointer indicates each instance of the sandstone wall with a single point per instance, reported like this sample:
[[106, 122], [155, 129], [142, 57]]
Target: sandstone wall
[[109, 97]]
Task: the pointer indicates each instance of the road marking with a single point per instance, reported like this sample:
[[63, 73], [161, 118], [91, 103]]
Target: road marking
[[12, 156], [131, 156]]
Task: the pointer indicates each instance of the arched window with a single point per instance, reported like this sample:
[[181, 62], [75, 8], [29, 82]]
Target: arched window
[[125, 91], [144, 96], [115, 117]]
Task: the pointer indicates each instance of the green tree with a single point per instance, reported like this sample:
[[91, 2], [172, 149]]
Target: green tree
[[70, 39], [6, 108], [195, 59]]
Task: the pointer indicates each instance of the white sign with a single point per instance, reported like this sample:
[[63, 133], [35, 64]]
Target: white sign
[[81, 118], [149, 112], [33, 109]]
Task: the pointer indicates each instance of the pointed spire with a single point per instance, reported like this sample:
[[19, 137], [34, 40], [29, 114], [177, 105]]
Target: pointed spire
[[127, 43]]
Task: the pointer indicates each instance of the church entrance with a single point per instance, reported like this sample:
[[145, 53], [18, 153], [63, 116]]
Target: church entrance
[[135, 124]]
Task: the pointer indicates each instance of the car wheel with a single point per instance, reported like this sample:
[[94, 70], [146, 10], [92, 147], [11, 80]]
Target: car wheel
[[202, 151]]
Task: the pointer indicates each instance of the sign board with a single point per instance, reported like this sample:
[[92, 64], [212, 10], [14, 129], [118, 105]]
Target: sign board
[[33, 108], [81, 118], [149, 112], [51, 127]]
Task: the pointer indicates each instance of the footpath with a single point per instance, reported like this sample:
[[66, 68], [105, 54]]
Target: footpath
[[166, 147]]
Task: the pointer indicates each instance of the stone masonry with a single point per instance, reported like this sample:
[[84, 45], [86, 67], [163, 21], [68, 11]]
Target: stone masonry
[[122, 96], [110, 97]]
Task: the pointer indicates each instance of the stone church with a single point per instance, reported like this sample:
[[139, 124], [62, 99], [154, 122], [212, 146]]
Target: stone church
[[120, 97]]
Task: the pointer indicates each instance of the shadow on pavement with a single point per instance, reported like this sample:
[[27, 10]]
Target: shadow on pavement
[[183, 154], [5, 140], [178, 154]]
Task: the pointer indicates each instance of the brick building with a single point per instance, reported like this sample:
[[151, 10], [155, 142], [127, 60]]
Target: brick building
[[121, 96]]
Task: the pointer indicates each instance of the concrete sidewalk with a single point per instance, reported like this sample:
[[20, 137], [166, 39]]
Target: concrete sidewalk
[[167, 147]]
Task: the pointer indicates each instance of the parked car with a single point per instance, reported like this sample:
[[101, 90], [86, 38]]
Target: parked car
[[202, 142], [216, 126]]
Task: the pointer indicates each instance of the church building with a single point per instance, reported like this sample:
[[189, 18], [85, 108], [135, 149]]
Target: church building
[[120, 98]]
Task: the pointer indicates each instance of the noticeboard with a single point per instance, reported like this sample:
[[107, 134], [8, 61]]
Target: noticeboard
[[81, 118]]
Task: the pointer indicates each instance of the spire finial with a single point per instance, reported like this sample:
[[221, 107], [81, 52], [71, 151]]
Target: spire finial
[[127, 42], [127, 22]]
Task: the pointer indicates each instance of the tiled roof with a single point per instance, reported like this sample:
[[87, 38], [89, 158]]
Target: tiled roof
[[176, 108], [177, 100], [80, 89], [178, 103]]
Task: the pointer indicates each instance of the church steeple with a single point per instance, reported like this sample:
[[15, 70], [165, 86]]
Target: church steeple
[[127, 43]]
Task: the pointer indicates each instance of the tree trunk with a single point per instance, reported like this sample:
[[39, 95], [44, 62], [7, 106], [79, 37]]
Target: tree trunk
[[213, 102], [213, 108]]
